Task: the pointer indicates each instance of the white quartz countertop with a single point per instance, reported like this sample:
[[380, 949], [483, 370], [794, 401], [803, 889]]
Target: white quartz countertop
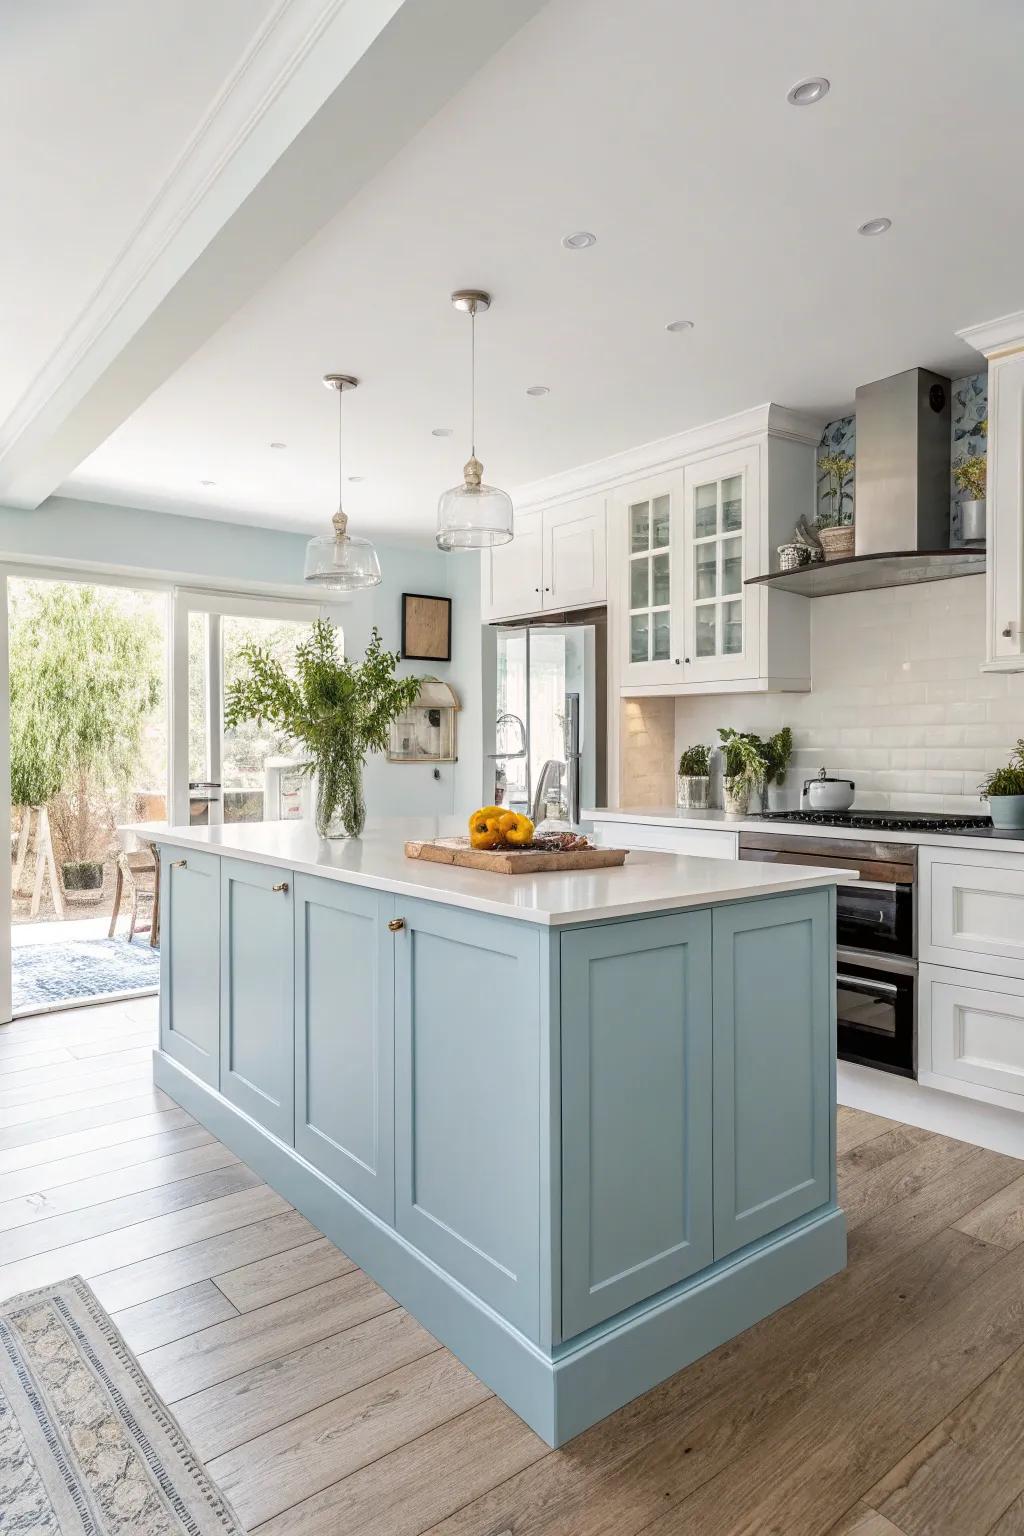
[[647, 882], [717, 820]]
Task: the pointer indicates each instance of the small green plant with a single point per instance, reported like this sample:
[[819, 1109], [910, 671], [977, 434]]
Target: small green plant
[[777, 751], [695, 762], [1008, 780], [744, 756], [836, 474], [970, 477]]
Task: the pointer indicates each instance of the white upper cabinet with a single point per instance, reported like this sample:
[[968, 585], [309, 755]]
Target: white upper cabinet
[[681, 547], [1002, 342], [557, 560]]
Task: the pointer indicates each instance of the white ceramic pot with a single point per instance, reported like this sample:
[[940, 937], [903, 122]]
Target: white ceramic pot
[[825, 794], [693, 792], [972, 522]]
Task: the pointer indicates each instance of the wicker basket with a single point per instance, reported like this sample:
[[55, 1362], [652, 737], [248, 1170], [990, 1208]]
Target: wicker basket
[[837, 542]]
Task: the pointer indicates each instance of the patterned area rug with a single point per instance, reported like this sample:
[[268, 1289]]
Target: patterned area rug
[[55, 973], [87, 1448]]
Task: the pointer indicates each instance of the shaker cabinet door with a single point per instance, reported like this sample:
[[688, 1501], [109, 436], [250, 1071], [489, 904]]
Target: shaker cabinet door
[[257, 1006], [345, 1038], [774, 968], [636, 1112], [190, 961]]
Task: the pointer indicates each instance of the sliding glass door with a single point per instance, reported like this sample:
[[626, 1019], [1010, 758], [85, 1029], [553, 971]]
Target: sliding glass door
[[246, 772]]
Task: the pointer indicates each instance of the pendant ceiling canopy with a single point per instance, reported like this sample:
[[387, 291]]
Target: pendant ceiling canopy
[[340, 561], [473, 515]]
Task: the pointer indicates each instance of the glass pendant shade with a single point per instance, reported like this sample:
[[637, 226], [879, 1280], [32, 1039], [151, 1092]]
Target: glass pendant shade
[[473, 515], [339, 560]]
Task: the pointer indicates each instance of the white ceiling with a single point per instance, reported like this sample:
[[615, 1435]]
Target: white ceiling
[[98, 99], [662, 126]]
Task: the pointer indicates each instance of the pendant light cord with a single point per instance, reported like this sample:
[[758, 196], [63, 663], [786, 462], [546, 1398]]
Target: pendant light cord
[[340, 460], [472, 385]]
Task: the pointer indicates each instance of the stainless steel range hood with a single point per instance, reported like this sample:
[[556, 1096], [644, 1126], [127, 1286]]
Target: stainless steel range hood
[[901, 524]]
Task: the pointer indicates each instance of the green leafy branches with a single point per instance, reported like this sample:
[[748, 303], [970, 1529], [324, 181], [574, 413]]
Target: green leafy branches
[[744, 756], [694, 762], [338, 710], [1008, 780]]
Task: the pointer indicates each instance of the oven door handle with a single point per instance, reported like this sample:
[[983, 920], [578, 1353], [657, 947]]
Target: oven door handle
[[892, 886], [864, 984], [875, 960]]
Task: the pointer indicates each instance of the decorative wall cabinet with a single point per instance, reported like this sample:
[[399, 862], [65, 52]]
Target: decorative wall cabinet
[[681, 546], [1002, 342], [557, 560], [426, 732]]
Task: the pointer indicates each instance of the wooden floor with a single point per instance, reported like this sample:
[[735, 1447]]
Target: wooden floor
[[890, 1400]]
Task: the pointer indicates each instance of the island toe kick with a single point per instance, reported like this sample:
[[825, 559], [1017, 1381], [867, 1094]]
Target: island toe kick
[[580, 1155]]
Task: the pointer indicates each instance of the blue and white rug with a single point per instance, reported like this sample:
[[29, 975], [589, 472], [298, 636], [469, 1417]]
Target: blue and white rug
[[44, 974]]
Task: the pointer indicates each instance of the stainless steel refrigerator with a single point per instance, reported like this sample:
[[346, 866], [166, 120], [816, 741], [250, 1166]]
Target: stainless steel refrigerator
[[550, 740]]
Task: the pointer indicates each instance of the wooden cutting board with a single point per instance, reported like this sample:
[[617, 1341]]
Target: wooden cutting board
[[511, 861]]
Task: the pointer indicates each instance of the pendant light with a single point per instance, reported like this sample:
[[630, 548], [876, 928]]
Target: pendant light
[[341, 560], [473, 515]]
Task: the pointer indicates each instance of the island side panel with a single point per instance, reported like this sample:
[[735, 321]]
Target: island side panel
[[636, 1030], [467, 1101], [774, 1046]]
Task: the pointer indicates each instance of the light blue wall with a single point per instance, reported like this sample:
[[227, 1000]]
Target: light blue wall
[[170, 547]]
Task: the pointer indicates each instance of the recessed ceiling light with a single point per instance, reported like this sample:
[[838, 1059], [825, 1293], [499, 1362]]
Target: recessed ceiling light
[[538, 389], [440, 431], [356, 479], [579, 241], [806, 92], [279, 445], [875, 227], [207, 482], [679, 325]]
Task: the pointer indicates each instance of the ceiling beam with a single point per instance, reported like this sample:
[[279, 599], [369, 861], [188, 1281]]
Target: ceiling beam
[[327, 93]]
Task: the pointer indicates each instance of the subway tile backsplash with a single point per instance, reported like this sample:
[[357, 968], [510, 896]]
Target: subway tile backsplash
[[897, 702]]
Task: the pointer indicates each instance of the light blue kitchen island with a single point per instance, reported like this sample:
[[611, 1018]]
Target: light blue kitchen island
[[581, 1126]]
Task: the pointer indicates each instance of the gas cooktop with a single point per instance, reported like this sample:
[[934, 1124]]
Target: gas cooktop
[[883, 821]]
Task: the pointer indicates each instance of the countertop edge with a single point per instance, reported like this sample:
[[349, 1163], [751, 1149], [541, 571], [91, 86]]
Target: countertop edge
[[718, 821]]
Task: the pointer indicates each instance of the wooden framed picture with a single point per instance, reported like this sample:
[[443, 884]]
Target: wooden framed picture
[[426, 627]]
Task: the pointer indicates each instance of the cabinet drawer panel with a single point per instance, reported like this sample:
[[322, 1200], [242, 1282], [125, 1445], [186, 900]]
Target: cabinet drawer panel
[[707, 843], [976, 1031], [774, 1046], [190, 966], [467, 1136], [257, 1018], [636, 1122], [344, 1038], [974, 910]]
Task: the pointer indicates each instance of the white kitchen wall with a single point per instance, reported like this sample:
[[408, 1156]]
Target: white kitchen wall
[[897, 702]]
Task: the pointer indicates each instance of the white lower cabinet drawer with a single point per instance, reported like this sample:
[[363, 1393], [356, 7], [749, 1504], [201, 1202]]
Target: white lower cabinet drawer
[[972, 909], [971, 1034], [706, 842]]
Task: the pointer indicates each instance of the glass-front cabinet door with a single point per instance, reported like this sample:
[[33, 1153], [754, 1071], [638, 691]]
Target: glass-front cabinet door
[[652, 636], [719, 614]]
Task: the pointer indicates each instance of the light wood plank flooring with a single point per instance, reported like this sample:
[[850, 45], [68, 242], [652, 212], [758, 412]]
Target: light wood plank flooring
[[889, 1402]]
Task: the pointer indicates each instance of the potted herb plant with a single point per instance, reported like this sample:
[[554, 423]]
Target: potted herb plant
[[1004, 791], [694, 782], [970, 477], [744, 769], [776, 751], [835, 522], [339, 710]]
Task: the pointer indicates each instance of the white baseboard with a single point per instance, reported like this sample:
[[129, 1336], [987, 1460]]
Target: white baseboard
[[900, 1098]]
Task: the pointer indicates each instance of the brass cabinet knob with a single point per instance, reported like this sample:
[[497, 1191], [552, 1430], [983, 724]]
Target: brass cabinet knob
[[282, 887], [396, 924], [179, 864]]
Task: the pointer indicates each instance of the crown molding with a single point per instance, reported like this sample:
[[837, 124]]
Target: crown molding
[[668, 453], [993, 338], [284, 41]]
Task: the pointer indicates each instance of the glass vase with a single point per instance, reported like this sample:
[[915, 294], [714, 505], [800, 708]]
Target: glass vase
[[340, 803]]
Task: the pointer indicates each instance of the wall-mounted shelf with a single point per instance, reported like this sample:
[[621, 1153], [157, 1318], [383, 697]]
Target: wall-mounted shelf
[[865, 573]]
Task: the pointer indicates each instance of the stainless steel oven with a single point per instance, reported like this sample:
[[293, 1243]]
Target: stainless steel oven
[[876, 941]]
